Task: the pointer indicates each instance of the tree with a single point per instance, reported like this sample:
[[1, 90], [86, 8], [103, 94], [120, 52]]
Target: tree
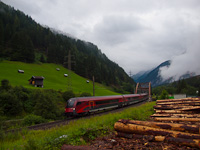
[[45, 105], [181, 85], [164, 95], [22, 48], [5, 85], [67, 95], [42, 59], [1, 36], [10, 103]]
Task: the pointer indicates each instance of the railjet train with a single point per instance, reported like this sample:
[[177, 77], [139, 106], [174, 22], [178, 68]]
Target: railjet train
[[85, 105]]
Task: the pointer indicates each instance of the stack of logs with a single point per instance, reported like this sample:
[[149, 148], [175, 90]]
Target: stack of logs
[[175, 121]]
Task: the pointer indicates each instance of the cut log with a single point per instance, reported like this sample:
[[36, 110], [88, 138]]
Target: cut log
[[180, 102], [173, 112], [176, 107], [176, 100], [190, 108], [179, 141], [178, 119], [177, 115], [139, 129], [165, 107], [185, 142], [168, 126]]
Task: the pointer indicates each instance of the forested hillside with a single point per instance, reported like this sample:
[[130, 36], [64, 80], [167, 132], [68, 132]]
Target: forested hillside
[[22, 39], [189, 86]]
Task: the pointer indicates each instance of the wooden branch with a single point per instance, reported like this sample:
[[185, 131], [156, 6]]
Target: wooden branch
[[139, 129], [168, 126]]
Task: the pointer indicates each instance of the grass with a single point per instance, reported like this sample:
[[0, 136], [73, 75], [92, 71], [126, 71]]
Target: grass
[[78, 132], [53, 79]]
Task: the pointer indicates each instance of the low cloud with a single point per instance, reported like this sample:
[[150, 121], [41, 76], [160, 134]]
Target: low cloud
[[186, 63]]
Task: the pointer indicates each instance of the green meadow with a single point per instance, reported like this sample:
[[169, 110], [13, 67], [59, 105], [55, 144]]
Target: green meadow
[[53, 79]]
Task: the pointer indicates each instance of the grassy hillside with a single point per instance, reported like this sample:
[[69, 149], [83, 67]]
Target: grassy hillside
[[53, 79]]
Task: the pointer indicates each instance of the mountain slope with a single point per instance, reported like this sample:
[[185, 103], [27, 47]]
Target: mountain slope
[[53, 79], [22, 39], [153, 76]]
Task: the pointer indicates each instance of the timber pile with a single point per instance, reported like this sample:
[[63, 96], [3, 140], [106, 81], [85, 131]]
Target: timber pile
[[176, 121], [186, 111]]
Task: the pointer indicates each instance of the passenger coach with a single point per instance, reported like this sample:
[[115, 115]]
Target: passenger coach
[[86, 105]]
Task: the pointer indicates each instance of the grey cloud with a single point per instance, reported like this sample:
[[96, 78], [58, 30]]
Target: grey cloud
[[138, 35], [116, 29], [188, 62]]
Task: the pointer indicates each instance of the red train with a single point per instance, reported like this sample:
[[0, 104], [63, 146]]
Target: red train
[[85, 105]]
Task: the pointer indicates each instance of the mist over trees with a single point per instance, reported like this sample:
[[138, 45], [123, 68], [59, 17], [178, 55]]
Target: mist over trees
[[22, 39]]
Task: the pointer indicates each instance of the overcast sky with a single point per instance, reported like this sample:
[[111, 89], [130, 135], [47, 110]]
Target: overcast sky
[[136, 34]]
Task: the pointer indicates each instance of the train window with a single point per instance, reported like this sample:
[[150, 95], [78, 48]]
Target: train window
[[107, 101], [70, 103], [79, 103]]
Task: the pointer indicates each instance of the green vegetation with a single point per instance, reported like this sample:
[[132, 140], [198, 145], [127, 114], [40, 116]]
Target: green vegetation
[[32, 120], [190, 87], [53, 79], [73, 133], [164, 95]]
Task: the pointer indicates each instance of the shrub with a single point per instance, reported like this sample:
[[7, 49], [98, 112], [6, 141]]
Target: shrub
[[10, 103], [5, 85], [67, 95], [46, 105], [85, 94], [33, 119], [164, 95]]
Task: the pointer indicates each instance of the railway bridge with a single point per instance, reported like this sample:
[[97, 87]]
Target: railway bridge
[[143, 88]]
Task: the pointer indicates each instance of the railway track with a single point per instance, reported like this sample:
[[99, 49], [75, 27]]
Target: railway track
[[49, 125]]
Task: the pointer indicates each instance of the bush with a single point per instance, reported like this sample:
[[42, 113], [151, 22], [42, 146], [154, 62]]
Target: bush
[[5, 85], [46, 106], [85, 94], [33, 119], [164, 95], [67, 95], [10, 103]]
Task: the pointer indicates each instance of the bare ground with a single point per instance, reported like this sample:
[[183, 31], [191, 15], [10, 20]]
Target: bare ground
[[118, 143]]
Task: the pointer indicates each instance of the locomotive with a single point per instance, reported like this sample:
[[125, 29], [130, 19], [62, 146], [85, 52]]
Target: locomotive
[[79, 106]]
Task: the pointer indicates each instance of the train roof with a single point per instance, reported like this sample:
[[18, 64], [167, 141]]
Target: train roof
[[97, 97], [104, 97], [131, 95]]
